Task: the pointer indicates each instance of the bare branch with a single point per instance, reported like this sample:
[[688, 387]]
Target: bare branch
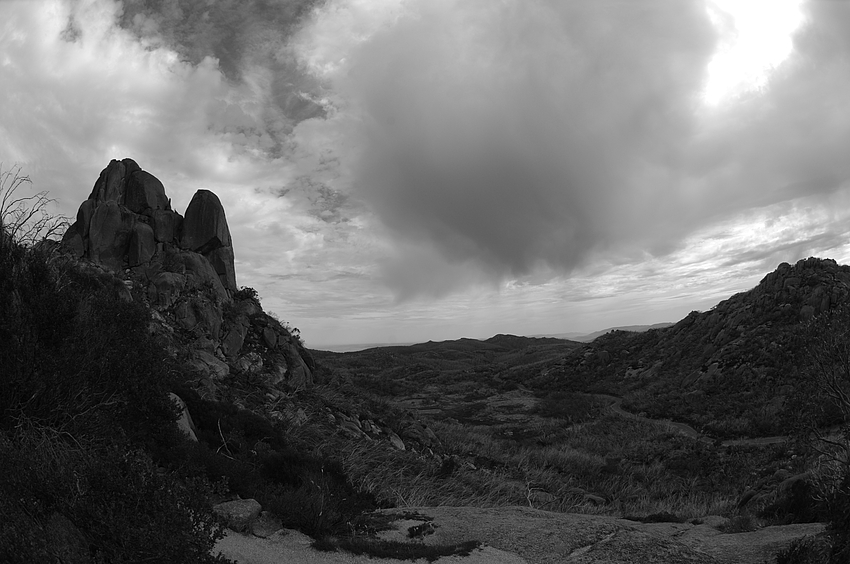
[[26, 219]]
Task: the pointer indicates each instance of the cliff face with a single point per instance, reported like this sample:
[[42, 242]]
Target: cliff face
[[182, 267]]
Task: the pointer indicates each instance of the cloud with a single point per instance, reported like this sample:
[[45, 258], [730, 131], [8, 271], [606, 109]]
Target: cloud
[[250, 41], [524, 139], [510, 136]]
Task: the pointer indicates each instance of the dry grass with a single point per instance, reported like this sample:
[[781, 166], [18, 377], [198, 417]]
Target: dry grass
[[492, 471]]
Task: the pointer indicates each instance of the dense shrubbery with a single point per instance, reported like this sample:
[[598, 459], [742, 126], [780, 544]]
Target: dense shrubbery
[[123, 508], [86, 423], [571, 407], [828, 348]]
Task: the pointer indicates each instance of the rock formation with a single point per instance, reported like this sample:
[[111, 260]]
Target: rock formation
[[127, 222], [184, 267]]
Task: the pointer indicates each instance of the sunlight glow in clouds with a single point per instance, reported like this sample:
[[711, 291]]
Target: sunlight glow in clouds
[[755, 39]]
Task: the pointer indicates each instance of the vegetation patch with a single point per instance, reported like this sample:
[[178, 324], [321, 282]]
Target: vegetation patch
[[375, 548], [661, 517]]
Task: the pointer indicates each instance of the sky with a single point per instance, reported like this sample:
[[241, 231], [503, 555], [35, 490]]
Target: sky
[[398, 171]]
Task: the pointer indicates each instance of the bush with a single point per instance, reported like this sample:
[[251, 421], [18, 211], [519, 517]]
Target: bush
[[571, 407], [76, 357], [125, 509], [807, 550], [246, 293]]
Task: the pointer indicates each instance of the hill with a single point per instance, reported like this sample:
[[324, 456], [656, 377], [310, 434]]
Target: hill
[[739, 369]]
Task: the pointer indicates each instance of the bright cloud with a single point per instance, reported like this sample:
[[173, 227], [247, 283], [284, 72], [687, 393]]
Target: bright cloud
[[755, 38]]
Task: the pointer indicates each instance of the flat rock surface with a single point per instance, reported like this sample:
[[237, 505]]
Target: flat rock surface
[[292, 546], [524, 535], [543, 537]]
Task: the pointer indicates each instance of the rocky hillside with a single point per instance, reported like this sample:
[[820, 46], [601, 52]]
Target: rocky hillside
[[182, 268], [739, 369]]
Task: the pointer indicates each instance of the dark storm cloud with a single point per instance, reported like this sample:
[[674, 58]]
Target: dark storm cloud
[[518, 137], [518, 134]]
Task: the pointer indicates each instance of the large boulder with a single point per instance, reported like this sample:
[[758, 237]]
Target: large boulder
[[222, 262], [205, 226], [142, 245], [204, 230], [145, 193], [109, 234], [239, 514], [111, 184], [166, 225]]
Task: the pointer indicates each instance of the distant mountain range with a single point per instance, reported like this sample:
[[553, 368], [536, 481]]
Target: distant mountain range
[[574, 336], [587, 337]]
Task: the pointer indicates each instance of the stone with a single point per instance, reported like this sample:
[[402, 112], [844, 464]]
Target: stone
[[594, 499], [204, 343], [395, 440], [109, 235], [232, 343], [142, 245], [251, 363], [165, 288], [184, 423], [538, 498], [277, 369], [130, 166], [166, 225], [222, 262], [269, 337], [199, 315], [351, 430], [299, 375], [204, 225], [239, 514], [213, 366], [266, 525], [73, 241], [111, 184], [84, 215], [199, 272], [247, 308], [145, 192]]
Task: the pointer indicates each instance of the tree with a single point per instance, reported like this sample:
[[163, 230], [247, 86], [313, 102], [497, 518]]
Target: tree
[[827, 339], [25, 219]]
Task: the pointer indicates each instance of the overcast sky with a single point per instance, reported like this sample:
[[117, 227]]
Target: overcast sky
[[406, 170]]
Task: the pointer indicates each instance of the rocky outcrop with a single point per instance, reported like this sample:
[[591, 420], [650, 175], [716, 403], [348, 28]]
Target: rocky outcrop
[[127, 222], [183, 268]]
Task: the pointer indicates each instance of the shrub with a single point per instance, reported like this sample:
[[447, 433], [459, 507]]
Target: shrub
[[571, 407], [77, 357], [124, 507], [246, 293], [807, 550], [740, 524]]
